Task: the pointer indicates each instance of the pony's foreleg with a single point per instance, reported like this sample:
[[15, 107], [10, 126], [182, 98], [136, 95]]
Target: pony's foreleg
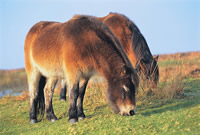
[[48, 92], [82, 89], [63, 91], [73, 96]]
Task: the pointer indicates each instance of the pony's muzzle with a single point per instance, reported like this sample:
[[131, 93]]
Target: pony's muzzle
[[128, 112], [131, 113]]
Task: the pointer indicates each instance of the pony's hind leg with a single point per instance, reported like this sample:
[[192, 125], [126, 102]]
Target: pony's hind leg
[[82, 89], [48, 93], [33, 81], [73, 96]]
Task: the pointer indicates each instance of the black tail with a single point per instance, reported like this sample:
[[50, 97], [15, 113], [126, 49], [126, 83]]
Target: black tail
[[41, 101]]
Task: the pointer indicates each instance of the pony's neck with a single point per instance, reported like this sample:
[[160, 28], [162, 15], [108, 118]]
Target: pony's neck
[[109, 65], [128, 47]]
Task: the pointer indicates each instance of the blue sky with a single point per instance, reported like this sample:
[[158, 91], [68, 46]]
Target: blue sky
[[169, 26]]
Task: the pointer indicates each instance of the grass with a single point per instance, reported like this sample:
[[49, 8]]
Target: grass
[[154, 116], [159, 113]]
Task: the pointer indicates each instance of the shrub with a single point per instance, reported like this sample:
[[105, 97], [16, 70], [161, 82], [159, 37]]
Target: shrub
[[171, 83]]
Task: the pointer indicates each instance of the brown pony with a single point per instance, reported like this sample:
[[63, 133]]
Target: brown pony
[[134, 45], [74, 51]]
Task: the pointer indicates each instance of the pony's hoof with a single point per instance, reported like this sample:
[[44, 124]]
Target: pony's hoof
[[81, 118], [62, 99], [51, 117], [72, 121], [53, 120], [32, 121]]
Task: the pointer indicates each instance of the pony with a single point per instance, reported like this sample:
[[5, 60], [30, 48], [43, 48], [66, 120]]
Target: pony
[[135, 46], [74, 51]]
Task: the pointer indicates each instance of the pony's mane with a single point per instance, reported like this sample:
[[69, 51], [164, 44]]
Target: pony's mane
[[117, 46], [142, 51], [77, 16]]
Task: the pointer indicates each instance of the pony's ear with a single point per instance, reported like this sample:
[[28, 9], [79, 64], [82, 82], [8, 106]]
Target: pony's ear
[[156, 58]]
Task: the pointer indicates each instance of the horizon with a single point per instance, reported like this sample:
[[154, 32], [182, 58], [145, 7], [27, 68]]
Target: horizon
[[169, 26]]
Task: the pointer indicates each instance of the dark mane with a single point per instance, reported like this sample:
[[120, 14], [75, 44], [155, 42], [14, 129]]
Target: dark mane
[[141, 50], [118, 48]]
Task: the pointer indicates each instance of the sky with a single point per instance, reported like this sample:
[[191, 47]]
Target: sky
[[169, 26]]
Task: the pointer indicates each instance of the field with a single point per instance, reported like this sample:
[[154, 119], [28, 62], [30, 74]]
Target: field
[[172, 108]]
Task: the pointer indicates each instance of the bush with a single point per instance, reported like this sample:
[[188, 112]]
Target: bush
[[171, 83]]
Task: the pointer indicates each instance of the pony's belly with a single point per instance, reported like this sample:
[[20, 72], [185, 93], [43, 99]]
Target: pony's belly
[[48, 67], [88, 73], [52, 72]]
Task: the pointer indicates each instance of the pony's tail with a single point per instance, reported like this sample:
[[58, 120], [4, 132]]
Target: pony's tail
[[41, 101]]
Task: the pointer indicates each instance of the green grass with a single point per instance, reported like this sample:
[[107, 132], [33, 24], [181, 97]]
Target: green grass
[[153, 116], [178, 62], [169, 63]]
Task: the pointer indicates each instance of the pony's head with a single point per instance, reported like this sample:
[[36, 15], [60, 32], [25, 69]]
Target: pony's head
[[150, 70], [121, 92]]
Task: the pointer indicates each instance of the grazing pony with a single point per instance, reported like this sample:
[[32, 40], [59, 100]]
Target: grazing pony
[[74, 51], [134, 45]]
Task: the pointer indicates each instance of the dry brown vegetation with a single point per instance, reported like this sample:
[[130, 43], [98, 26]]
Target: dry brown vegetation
[[174, 69], [188, 64]]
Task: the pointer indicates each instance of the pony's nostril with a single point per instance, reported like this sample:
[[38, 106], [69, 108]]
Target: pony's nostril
[[132, 112]]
